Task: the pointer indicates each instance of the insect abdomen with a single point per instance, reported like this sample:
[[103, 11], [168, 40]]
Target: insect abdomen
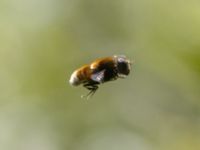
[[74, 80], [80, 75]]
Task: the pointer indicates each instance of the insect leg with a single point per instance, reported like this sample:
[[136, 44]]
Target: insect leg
[[92, 87]]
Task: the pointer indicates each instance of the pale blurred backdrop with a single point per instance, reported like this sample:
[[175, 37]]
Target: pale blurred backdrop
[[157, 107]]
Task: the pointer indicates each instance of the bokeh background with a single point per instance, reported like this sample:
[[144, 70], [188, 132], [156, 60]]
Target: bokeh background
[[156, 107]]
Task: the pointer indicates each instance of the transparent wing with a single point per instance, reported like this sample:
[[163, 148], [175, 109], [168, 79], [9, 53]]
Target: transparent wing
[[98, 76]]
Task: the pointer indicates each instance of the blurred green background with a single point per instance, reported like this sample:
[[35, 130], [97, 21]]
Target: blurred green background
[[156, 107]]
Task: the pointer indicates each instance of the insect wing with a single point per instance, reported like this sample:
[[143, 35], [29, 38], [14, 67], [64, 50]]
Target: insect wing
[[98, 76]]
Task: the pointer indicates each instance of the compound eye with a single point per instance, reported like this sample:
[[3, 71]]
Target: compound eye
[[123, 68]]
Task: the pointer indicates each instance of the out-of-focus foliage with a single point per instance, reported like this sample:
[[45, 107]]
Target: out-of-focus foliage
[[156, 107]]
